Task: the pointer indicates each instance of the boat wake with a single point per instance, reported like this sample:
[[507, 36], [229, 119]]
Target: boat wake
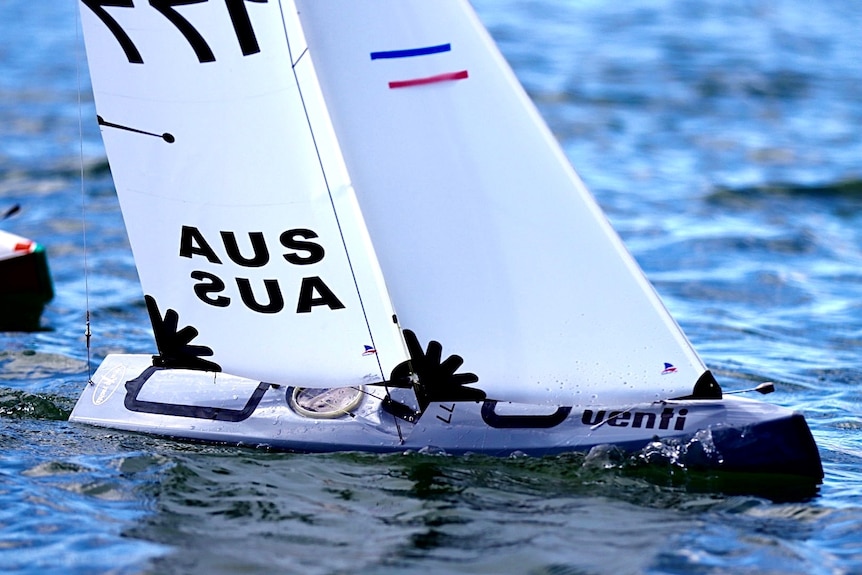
[[17, 404]]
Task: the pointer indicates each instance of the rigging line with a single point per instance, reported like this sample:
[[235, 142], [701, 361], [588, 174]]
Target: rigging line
[[87, 332], [615, 415], [332, 202]]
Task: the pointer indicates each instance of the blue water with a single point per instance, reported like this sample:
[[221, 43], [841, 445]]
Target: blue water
[[723, 141]]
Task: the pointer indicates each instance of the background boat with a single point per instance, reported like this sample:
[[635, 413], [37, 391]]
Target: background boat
[[25, 283]]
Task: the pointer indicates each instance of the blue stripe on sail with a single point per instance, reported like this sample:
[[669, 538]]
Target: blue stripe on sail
[[409, 53]]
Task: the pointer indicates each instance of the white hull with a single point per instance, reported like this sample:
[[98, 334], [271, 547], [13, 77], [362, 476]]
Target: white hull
[[733, 433]]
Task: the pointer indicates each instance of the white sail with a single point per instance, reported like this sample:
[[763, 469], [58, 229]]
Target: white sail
[[233, 225], [489, 242]]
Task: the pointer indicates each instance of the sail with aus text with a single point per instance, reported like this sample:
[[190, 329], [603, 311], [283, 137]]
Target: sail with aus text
[[292, 175], [242, 220]]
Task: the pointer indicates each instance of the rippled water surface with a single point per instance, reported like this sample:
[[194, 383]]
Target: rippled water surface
[[723, 141]]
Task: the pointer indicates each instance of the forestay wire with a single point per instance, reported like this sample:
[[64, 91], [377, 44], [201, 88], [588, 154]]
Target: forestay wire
[[87, 332], [294, 62]]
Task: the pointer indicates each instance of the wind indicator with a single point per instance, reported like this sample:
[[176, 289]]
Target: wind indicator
[[167, 136]]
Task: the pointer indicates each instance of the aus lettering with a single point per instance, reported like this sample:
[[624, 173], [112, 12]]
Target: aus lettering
[[262, 296], [304, 251]]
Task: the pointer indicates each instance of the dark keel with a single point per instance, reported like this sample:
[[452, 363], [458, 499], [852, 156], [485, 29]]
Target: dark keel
[[776, 459], [783, 446]]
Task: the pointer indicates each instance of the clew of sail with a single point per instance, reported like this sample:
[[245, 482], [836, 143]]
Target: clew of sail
[[246, 232], [489, 242]]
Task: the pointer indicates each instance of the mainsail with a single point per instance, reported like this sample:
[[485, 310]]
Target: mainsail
[[488, 240], [244, 135]]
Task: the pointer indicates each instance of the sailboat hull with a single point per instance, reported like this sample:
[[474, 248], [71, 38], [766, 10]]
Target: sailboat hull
[[732, 434], [26, 285]]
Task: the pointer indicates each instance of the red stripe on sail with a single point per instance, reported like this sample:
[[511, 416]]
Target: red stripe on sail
[[448, 77]]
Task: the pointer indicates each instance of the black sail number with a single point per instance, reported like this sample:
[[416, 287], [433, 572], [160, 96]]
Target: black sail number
[[237, 10], [242, 25], [98, 8], [194, 38]]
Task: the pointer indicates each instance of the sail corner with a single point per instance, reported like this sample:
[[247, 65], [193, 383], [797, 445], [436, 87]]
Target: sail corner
[[706, 387]]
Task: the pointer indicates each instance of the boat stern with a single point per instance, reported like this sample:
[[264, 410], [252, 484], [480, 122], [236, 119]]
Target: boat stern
[[782, 445]]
